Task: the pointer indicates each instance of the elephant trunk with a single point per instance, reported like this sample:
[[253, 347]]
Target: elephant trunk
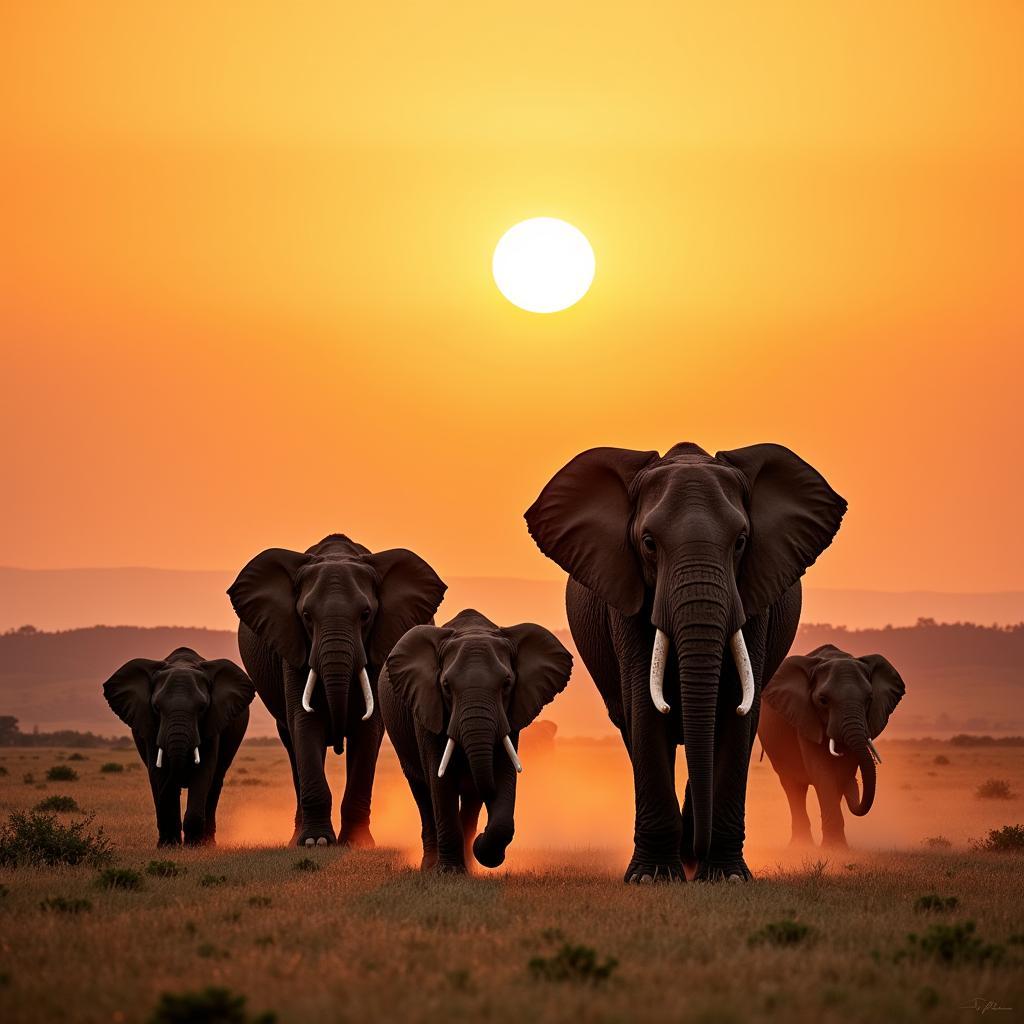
[[333, 659], [477, 735], [701, 603], [177, 743], [854, 731]]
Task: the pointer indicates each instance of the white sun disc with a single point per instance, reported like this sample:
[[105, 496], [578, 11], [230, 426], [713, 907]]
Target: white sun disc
[[543, 265]]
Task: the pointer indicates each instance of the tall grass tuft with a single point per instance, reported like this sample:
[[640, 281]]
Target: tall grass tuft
[[40, 839], [210, 1006]]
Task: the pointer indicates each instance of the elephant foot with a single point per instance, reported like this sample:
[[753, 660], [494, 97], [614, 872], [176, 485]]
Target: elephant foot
[[730, 870], [429, 861], [642, 871], [446, 867], [168, 841], [315, 835], [801, 841], [834, 843], [356, 836]]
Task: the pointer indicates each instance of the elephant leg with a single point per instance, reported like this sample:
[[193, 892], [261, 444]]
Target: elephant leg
[[833, 832], [451, 856], [489, 847], [428, 831], [167, 799], [286, 740], [361, 766], [309, 735], [686, 846], [469, 818], [796, 794]]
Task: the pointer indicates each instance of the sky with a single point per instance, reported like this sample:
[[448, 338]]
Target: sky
[[245, 290]]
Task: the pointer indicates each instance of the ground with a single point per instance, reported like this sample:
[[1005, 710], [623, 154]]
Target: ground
[[366, 936]]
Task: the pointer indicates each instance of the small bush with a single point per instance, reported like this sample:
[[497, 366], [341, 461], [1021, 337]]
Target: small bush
[[210, 1006], [933, 903], [3, 771], [63, 804], [938, 843], [3, 891], [36, 838], [307, 864], [120, 878], [64, 905], [208, 951], [208, 881], [165, 869], [260, 901], [786, 932], [112, 766], [573, 963], [28, 778], [952, 944], [941, 759], [994, 789], [77, 757], [61, 773], [1008, 839]]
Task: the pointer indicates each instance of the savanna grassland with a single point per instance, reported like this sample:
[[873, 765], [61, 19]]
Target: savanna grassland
[[554, 935]]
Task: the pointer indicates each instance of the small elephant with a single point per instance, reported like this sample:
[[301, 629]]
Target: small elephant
[[188, 718], [315, 628], [454, 700], [819, 715]]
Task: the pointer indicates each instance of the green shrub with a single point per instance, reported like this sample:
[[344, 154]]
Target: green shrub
[[36, 838], [63, 804], [210, 1006], [208, 881], [1008, 839], [952, 944], [573, 963], [77, 757], [931, 902], [112, 766], [165, 869], [786, 932], [120, 878], [994, 789], [307, 864], [64, 905], [61, 773]]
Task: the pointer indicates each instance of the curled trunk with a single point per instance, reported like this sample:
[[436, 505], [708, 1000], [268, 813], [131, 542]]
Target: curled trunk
[[855, 739]]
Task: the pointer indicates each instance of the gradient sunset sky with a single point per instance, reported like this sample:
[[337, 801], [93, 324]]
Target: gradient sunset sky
[[245, 290]]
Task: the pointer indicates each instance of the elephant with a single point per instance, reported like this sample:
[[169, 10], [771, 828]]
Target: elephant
[[454, 700], [188, 718], [820, 713], [672, 561], [314, 631]]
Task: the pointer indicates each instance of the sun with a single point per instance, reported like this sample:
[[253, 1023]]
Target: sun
[[543, 265]]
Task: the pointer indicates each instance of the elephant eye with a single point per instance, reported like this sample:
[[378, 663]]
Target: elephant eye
[[741, 542], [648, 542], [365, 615]]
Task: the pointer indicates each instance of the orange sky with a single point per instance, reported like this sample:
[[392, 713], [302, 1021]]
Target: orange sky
[[245, 293]]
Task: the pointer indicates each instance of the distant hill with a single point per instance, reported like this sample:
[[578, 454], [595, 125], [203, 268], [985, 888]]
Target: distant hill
[[52, 599], [960, 678]]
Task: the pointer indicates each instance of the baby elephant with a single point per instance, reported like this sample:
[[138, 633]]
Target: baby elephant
[[188, 718], [454, 699], [819, 714]]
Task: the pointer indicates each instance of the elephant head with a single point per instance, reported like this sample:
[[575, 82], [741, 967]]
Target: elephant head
[[335, 610], [478, 684], [699, 545], [175, 704], [829, 694]]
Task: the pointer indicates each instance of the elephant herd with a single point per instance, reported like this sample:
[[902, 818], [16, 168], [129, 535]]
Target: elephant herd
[[683, 600]]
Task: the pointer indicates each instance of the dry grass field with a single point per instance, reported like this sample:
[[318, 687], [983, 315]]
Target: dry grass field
[[337, 935]]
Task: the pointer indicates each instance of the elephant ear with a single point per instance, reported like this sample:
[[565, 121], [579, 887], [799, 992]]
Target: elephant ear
[[581, 522], [129, 693], [409, 594], [887, 689], [788, 693], [543, 667], [263, 595], [231, 692], [794, 515], [414, 671]]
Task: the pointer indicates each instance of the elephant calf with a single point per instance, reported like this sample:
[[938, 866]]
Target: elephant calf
[[819, 714], [188, 718], [454, 699]]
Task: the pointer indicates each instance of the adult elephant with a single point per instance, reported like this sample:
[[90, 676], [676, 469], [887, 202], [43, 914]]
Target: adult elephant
[[673, 560], [821, 712], [315, 630]]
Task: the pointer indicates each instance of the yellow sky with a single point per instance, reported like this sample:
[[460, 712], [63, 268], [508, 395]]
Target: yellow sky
[[245, 293]]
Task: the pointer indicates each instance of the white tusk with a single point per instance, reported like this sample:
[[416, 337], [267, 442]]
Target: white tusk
[[874, 753], [364, 682], [196, 755], [832, 749], [512, 755], [446, 757], [746, 673], [658, 656], [307, 693], [159, 757]]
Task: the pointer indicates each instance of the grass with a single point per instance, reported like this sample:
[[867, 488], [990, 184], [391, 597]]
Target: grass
[[933, 903], [111, 767], [1008, 839], [32, 839], [786, 932], [61, 773], [995, 789], [60, 804], [64, 905], [367, 937], [119, 878]]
